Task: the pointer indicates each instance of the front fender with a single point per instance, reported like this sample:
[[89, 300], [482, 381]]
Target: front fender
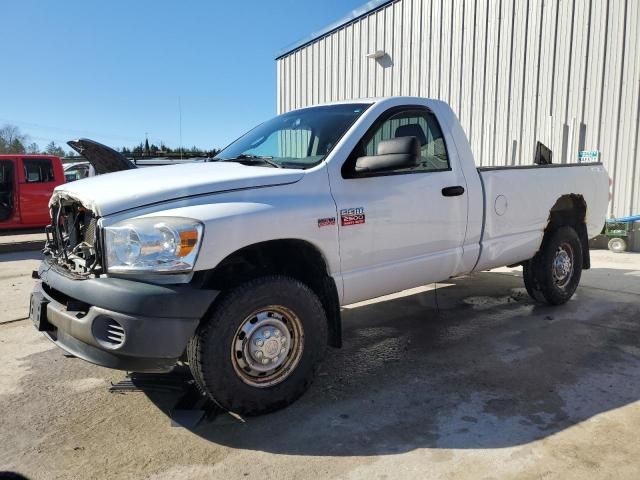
[[234, 220]]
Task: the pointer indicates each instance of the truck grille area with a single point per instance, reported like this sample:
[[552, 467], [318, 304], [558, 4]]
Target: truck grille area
[[72, 238]]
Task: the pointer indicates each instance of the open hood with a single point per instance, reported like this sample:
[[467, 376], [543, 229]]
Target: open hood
[[103, 158]]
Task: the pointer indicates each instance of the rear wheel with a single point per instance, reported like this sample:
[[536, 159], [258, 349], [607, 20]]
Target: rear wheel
[[554, 273], [530, 282], [617, 245], [259, 349]]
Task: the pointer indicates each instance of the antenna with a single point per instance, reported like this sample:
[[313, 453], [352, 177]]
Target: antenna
[[180, 113]]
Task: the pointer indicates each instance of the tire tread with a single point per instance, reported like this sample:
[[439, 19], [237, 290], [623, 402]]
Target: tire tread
[[203, 373], [537, 275]]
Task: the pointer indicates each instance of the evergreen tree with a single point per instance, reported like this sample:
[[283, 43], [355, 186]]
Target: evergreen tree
[[33, 148], [53, 149]]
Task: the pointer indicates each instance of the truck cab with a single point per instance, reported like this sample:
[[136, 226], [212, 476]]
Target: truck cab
[[26, 184]]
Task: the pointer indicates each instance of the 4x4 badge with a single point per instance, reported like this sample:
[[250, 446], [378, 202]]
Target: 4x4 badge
[[326, 222]]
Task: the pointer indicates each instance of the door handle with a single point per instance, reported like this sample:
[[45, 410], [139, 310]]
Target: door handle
[[452, 191]]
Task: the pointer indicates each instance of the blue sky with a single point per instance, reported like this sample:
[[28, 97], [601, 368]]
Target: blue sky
[[114, 70]]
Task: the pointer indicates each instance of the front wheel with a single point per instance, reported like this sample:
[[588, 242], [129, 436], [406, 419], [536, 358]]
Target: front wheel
[[554, 273], [259, 349]]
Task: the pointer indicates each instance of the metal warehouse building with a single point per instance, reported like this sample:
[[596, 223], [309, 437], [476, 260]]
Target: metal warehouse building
[[563, 72]]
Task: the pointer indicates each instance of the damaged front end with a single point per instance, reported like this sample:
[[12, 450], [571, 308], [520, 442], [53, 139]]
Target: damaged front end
[[73, 240]]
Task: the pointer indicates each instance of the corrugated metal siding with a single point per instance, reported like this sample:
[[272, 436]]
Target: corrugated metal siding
[[565, 72]]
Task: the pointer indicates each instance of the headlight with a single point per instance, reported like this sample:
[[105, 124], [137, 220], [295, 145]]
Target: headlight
[[153, 244]]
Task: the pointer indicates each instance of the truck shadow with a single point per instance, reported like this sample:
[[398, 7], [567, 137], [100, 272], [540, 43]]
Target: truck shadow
[[19, 256], [472, 365]]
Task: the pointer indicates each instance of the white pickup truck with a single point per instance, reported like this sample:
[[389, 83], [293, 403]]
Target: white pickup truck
[[240, 266]]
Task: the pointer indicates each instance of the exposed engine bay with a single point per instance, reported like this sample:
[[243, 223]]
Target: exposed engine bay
[[72, 239]]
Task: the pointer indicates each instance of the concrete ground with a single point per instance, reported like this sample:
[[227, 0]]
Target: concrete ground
[[16, 284], [23, 240], [469, 381]]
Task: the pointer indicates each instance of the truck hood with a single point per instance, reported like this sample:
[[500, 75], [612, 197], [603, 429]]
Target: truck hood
[[103, 158], [124, 190]]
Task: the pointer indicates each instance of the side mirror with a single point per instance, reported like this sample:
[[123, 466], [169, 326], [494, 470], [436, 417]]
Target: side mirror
[[401, 152]]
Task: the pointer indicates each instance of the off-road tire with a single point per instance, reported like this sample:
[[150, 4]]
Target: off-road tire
[[530, 282], [209, 350], [538, 273]]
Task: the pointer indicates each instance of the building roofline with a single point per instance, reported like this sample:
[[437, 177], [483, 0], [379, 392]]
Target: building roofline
[[355, 14]]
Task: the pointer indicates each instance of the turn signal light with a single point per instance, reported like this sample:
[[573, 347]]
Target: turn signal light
[[188, 241]]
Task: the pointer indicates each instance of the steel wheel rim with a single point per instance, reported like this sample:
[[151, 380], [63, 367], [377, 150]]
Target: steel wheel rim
[[562, 266], [267, 346]]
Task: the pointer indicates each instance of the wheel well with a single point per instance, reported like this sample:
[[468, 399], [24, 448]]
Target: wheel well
[[296, 258], [571, 210]]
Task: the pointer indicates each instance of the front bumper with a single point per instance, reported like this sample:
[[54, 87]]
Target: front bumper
[[119, 323]]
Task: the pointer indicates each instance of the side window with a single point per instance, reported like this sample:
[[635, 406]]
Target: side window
[[418, 123], [76, 173], [38, 170]]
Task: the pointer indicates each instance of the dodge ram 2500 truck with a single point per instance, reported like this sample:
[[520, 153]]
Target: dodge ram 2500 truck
[[240, 266]]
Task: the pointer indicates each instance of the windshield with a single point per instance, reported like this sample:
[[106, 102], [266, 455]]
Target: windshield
[[299, 139]]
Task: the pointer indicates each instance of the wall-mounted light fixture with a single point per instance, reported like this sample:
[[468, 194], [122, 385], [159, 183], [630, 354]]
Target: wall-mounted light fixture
[[376, 55]]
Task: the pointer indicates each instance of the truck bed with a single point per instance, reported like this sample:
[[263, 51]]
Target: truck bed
[[518, 199]]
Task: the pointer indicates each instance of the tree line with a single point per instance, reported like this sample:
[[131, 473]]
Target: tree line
[[145, 149], [13, 141]]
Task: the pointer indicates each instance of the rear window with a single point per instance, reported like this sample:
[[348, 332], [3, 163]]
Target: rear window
[[38, 170]]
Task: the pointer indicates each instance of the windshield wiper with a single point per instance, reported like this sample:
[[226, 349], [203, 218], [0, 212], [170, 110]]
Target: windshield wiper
[[249, 159]]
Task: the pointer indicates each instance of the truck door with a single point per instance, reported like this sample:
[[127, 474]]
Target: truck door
[[7, 189], [401, 228], [36, 185]]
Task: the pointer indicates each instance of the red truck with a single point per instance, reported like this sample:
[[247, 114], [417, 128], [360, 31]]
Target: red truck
[[26, 185]]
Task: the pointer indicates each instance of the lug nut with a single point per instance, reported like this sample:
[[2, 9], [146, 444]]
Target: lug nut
[[267, 334], [265, 361], [276, 333], [257, 354], [259, 343], [283, 350]]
